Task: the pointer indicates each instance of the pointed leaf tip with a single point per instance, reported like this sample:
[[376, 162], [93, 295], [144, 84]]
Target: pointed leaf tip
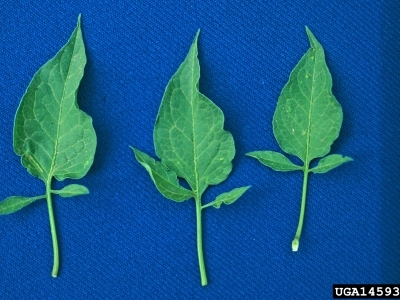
[[311, 37], [196, 36]]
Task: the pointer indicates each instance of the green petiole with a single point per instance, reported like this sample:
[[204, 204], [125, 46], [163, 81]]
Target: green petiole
[[296, 240], [56, 259], [203, 274]]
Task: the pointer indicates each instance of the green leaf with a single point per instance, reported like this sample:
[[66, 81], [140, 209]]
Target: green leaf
[[228, 197], [190, 140], [15, 203], [274, 160], [165, 180], [306, 121], [51, 134], [330, 162], [308, 118], [188, 135], [72, 190]]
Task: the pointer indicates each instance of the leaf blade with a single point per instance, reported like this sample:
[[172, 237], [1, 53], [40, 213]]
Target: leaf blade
[[228, 197], [72, 190], [165, 180], [308, 118], [330, 162], [15, 203], [274, 160], [53, 136], [188, 135]]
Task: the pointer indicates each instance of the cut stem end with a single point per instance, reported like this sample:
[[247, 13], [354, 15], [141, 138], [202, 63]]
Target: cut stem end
[[295, 245], [204, 281]]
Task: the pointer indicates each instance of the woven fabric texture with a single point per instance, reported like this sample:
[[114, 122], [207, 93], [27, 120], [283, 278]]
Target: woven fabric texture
[[124, 240]]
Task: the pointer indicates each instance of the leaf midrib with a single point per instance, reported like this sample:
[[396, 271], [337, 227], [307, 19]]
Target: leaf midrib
[[193, 89], [307, 162], [53, 160]]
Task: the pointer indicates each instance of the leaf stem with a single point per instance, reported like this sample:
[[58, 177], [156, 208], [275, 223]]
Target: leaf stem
[[53, 229], [202, 267], [296, 241], [208, 204]]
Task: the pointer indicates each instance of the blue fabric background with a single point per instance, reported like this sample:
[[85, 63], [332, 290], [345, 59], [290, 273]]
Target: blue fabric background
[[124, 240]]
